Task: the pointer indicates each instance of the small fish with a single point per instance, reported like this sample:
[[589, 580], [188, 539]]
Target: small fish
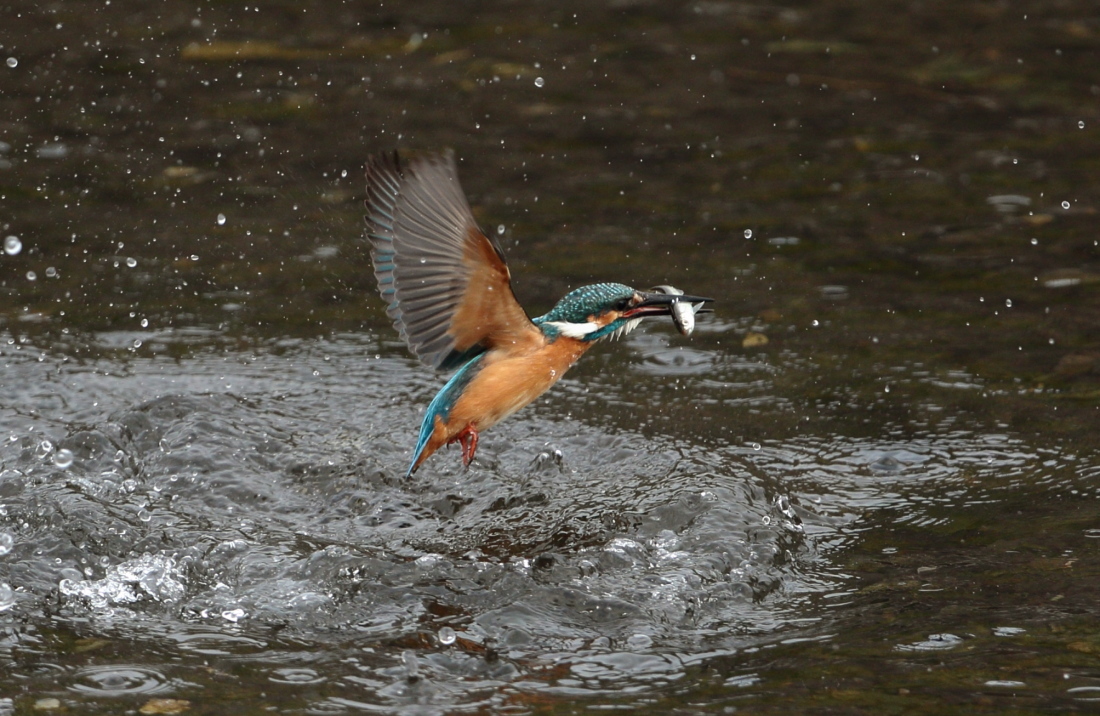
[[683, 314]]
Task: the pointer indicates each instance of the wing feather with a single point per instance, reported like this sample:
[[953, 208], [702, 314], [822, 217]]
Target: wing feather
[[445, 284]]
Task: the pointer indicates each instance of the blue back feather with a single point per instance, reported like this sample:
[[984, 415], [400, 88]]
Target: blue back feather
[[442, 403]]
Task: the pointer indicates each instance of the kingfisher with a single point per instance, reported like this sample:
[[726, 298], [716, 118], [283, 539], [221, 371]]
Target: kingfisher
[[449, 292]]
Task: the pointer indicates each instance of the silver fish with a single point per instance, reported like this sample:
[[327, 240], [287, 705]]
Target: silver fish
[[683, 314]]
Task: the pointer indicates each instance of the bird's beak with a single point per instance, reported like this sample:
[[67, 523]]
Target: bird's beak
[[660, 304]]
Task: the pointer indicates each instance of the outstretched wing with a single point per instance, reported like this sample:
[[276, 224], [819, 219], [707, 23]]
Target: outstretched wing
[[445, 283]]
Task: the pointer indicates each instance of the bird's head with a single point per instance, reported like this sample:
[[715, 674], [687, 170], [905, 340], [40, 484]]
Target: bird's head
[[604, 310]]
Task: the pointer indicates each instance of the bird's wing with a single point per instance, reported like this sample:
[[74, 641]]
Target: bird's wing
[[445, 283]]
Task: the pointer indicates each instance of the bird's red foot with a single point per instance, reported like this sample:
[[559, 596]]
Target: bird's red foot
[[468, 438]]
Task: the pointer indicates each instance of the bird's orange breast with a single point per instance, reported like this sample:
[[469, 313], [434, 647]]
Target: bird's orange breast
[[510, 381]]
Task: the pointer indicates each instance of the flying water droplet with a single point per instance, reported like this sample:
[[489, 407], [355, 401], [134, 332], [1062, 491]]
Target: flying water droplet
[[12, 62], [500, 229], [447, 636], [51, 272], [412, 667], [234, 615], [43, 449], [1065, 205], [1081, 124], [1008, 302], [32, 276], [63, 458], [131, 262], [1034, 242], [7, 597], [12, 245], [6, 543], [145, 323], [221, 219], [539, 82], [748, 233]]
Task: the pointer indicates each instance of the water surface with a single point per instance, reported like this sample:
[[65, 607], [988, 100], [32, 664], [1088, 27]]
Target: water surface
[[867, 484]]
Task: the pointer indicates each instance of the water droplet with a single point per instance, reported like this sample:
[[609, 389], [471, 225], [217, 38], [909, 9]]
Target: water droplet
[[51, 272], [6, 543], [815, 323], [145, 323], [447, 636], [1008, 302], [131, 262], [43, 449], [1065, 204], [12, 245], [144, 515], [221, 219], [1034, 242], [755, 446], [7, 597], [748, 233], [412, 668], [63, 458], [1081, 124], [12, 62], [137, 343], [766, 519], [539, 82], [32, 276], [500, 229], [639, 641], [234, 615]]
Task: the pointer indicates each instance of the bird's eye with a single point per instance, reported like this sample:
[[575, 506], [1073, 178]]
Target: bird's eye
[[622, 304]]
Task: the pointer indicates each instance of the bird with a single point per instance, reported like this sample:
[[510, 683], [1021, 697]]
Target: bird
[[448, 289]]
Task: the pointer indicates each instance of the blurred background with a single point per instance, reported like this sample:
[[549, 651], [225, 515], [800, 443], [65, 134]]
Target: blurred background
[[867, 483]]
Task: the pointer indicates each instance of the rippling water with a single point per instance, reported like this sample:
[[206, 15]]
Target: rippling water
[[247, 507]]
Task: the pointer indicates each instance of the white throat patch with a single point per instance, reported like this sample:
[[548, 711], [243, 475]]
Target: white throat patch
[[574, 330]]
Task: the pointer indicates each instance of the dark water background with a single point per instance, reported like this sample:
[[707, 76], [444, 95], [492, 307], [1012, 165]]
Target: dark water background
[[868, 484]]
